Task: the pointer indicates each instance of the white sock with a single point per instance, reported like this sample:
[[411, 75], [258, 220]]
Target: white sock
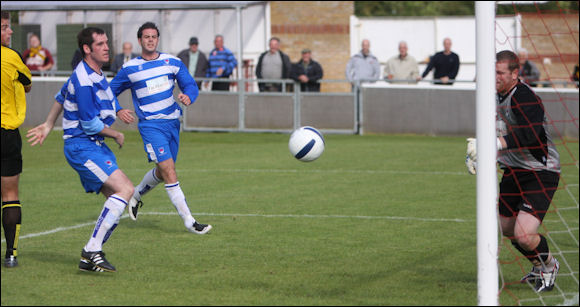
[[147, 184], [178, 199], [108, 220]]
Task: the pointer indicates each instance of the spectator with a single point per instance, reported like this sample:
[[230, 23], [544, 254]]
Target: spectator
[[529, 73], [446, 64], [77, 58], [221, 64], [36, 57], [273, 64], [402, 66], [576, 74], [195, 60], [363, 65], [307, 72], [123, 57]]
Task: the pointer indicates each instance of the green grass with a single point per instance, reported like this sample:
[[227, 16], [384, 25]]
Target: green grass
[[377, 220]]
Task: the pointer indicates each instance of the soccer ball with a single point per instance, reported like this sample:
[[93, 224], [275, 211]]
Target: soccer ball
[[306, 144]]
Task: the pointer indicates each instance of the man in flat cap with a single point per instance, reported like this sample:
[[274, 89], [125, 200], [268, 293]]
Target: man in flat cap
[[307, 72], [195, 60]]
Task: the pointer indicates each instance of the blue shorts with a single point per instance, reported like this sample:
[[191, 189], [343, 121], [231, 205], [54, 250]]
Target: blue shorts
[[94, 162], [160, 139]]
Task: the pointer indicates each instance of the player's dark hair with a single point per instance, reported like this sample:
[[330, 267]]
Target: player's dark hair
[[147, 25], [85, 37], [510, 57], [275, 39], [5, 15]]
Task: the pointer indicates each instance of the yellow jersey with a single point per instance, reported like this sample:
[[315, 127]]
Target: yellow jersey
[[15, 76]]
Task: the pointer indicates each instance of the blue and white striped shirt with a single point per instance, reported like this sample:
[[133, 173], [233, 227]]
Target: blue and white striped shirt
[[152, 82], [88, 102], [223, 58]]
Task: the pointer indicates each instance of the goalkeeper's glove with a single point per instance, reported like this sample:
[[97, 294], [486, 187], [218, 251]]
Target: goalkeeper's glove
[[471, 165], [472, 147]]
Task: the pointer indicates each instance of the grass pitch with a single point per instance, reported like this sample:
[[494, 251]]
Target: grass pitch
[[376, 220]]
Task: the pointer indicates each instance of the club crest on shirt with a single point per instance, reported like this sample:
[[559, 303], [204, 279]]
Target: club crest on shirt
[[166, 61]]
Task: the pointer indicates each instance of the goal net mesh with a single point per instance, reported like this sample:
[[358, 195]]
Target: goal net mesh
[[549, 34]]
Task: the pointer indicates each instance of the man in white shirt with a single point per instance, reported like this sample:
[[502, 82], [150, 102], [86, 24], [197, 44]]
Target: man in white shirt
[[402, 67]]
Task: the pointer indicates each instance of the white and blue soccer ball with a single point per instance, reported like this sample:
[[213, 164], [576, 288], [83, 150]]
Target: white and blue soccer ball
[[306, 144]]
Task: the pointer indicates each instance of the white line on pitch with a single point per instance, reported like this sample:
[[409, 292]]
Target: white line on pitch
[[59, 229]]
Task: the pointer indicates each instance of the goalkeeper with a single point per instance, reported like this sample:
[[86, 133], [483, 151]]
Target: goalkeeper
[[531, 169]]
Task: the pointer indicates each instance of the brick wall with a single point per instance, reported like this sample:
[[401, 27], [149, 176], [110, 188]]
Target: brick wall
[[321, 26], [552, 43]]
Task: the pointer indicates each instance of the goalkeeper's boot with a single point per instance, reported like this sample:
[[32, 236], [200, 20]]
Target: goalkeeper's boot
[[199, 229], [133, 208], [10, 261], [531, 276], [95, 261], [545, 281]]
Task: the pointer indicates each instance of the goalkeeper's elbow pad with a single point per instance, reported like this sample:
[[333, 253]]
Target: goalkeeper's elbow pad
[[471, 165]]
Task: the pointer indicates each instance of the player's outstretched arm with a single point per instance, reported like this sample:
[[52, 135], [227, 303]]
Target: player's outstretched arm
[[38, 134]]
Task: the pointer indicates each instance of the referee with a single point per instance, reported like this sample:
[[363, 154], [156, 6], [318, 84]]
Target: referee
[[16, 80]]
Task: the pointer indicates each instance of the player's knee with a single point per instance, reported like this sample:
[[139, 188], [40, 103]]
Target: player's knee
[[127, 191], [528, 241]]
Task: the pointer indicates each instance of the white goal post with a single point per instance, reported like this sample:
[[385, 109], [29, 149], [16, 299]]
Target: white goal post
[[487, 227]]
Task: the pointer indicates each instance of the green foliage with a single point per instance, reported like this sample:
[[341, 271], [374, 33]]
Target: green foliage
[[376, 220], [451, 8], [414, 8]]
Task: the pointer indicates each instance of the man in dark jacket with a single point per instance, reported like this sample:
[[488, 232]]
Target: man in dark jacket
[[446, 64], [194, 60], [307, 72], [273, 64], [123, 57]]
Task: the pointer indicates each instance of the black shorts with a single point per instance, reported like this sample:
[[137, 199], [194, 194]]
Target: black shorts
[[11, 152], [525, 190]]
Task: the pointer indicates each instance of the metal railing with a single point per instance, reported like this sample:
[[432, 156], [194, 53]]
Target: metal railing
[[289, 89]]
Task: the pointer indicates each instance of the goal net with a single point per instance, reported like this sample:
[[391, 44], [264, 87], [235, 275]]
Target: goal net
[[548, 31]]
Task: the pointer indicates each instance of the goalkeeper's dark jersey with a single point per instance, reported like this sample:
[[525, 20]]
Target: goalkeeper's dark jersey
[[521, 120]]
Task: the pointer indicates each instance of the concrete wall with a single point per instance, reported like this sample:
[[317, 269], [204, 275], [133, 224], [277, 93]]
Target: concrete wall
[[443, 110], [384, 108]]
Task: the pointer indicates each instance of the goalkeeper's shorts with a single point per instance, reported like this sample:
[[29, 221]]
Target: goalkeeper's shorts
[[526, 190]]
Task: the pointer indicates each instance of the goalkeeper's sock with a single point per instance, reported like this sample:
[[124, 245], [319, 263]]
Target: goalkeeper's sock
[[149, 182], [178, 199], [108, 220], [543, 254], [538, 256], [11, 220]]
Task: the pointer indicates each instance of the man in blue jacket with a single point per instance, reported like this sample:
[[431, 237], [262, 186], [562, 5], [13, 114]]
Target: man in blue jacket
[[221, 64]]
